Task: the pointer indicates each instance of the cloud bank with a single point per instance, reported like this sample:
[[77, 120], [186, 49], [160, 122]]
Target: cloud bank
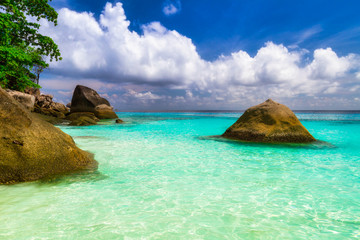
[[162, 67]]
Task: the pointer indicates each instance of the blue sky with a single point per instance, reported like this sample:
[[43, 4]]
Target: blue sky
[[235, 53], [222, 27]]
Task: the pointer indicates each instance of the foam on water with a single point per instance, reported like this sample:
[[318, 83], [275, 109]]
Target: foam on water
[[161, 177]]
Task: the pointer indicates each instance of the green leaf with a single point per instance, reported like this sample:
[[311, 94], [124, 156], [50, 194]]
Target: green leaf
[[22, 47]]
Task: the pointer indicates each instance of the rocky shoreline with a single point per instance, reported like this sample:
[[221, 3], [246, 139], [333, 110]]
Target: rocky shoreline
[[31, 147], [87, 107]]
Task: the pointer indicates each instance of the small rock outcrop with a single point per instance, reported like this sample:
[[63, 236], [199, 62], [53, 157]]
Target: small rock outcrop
[[82, 119], [88, 100], [32, 149], [104, 111], [269, 122], [27, 100]]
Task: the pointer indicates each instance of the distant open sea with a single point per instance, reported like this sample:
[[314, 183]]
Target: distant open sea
[[167, 176]]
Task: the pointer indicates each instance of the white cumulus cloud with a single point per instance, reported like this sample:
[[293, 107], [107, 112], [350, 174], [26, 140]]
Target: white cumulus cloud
[[107, 52]]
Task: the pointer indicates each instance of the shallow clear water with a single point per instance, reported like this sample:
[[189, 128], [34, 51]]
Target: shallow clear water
[[161, 176]]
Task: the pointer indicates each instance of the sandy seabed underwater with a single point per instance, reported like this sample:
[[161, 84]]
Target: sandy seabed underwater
[[161, 176]]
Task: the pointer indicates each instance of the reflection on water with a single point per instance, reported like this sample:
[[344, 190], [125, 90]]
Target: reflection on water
[[313, 145]]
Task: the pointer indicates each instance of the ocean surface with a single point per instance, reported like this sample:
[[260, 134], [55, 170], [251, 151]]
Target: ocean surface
[[168, 176]]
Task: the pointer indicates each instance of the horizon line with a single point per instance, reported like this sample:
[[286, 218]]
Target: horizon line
[[236, 111]]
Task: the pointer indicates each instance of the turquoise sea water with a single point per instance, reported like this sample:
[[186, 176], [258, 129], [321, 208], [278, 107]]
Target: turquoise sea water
[[161, 176]]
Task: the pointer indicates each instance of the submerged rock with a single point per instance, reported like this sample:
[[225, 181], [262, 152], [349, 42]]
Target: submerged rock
[[269, 122], [32, 148], [88, 100], [119, 121]]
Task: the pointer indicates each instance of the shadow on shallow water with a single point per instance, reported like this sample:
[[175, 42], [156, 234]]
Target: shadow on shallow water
[[89, 137], [77, 177], [314, 145]]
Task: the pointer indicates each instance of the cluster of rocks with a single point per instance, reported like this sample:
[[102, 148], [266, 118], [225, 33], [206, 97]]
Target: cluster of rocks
[[87, 107], [45, 105], [32, 148]]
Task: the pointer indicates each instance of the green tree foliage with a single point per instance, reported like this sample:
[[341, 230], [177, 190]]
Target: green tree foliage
[[22, 47]]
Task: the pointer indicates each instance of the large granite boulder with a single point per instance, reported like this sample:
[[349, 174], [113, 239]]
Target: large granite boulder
[[32, 149], [269, 122], [27, 100], [88, 100]]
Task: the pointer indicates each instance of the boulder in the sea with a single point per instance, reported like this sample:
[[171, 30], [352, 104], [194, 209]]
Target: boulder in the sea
[[32, 149], [104, 111], [27, 100], [76, 115], [88, 100], [83, 121], [269, 122]]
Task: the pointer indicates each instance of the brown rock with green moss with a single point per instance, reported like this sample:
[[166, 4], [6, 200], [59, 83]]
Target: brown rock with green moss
[[32, 149], [82, 119], [269, 122], [77, 115], [105, 112]]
